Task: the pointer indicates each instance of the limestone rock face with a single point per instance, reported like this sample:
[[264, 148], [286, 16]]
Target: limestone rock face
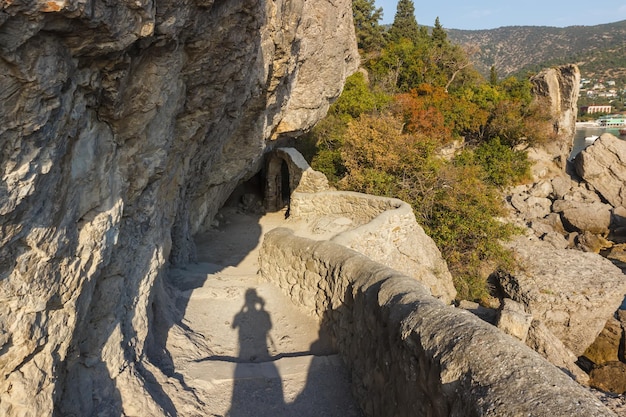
[[123, 128], [603, 166], [558, 88], [571, 292]]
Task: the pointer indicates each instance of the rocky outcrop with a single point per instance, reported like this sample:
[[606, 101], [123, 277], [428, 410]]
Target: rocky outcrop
[[565, 213], [558, 88], [603, 166], [124, 127], [573, 293]]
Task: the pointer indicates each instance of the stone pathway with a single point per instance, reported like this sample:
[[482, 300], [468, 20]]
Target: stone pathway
[[266, 357]]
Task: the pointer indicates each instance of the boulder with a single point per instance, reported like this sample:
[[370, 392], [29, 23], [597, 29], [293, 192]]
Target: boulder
[[610, 377], [514, 320], [606, 347], [573, 293], [556, 239], [544, 342], [581, 217], [603, 166], [541, 189], [555, 222], [531, 207], [561, 186]]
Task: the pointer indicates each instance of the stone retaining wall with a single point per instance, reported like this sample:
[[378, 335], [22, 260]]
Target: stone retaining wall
[[410, 354], [358, 207]]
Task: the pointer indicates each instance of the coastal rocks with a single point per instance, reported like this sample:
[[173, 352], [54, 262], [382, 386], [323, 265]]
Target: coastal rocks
[[532, 207], [584, 217], [571, 292], [603, 166], [124, 126], [564, 212]]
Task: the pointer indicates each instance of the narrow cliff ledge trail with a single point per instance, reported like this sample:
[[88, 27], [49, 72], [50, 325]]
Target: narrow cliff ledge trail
[[260, 356]]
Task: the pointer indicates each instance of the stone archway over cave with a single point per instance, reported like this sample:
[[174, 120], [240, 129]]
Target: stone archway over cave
[[278, 182], [288, 172]]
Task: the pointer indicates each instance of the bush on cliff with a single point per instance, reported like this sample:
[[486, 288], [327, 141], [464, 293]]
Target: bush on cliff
[[452, 202]]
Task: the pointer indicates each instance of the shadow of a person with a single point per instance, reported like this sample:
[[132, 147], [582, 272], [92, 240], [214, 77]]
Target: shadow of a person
[[257, 386], [327, 390]]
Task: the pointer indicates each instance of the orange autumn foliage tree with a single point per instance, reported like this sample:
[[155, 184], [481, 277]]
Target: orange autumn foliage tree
[[434, 112]]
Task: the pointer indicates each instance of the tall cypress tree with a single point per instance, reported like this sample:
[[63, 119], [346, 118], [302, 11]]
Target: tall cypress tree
[[369, 33], [493, 76], [404, 23], [439, 35]]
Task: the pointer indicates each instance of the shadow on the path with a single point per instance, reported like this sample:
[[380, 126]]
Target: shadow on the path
[[258, 382], [226, 245], [255, 394]]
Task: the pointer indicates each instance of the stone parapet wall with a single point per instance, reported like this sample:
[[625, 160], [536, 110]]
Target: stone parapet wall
[[409, 353], [358, 207]]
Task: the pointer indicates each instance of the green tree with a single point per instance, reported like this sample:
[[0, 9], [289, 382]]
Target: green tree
[[493, 76], [369, 33], [404, 24], [439, 35]]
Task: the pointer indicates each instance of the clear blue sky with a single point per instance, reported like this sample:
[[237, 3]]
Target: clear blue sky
[[464, 14]]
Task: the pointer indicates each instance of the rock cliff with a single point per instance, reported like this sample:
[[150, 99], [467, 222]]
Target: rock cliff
[[558, 89], [123, 128]]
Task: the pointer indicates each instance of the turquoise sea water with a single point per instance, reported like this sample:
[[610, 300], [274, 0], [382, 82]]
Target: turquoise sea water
[[579, 139]]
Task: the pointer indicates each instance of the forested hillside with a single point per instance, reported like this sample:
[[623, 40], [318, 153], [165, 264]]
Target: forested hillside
[[600, 51]]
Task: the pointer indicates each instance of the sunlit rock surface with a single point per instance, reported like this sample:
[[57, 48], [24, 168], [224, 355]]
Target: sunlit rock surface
[[123, 128]]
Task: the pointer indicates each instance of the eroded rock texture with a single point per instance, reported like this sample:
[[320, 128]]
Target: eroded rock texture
[[603, 165], [558, 89], [124, 125]]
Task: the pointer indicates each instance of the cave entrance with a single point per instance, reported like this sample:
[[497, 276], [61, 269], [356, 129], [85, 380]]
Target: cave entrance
[[278, 184], [248, 196], [284, 184]]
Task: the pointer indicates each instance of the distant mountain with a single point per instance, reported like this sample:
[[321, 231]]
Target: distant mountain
[[600, 50]]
